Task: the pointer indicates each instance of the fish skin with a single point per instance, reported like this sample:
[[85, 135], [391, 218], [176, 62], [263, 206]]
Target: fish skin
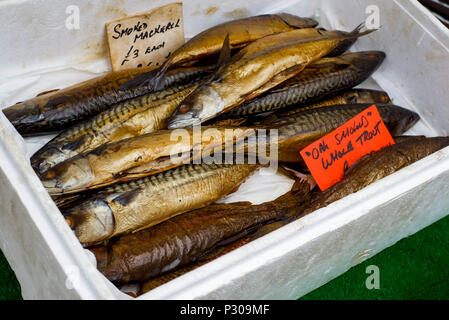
[[187, 238], [125, 208], [372, 168], [255, 73], [166, 277], [130, 118], [320, 80], [241, 32], [109, 163], [354, 96], [60, 109], [299, 130], [362, 175]]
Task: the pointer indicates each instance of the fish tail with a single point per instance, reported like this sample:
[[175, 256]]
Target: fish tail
[[357, 32]]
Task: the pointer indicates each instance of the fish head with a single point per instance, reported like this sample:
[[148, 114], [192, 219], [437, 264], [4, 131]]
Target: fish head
[[46, 158], [399, 119], [409, 120], [297, 22], [68, 176], [366, 96], [202, 105], [365, 61], [91, 221]]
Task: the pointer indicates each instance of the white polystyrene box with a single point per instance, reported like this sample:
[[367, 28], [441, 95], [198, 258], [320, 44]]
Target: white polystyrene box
[[39, 53]]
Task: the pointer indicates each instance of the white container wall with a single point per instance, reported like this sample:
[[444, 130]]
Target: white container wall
[[40, 53]]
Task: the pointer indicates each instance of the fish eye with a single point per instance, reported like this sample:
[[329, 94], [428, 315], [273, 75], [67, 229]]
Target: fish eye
[[184, 108]]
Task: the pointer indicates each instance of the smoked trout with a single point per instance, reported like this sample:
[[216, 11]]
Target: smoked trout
[[259, 67], [60, 109], [188, 238], [130, 118], [322, 79], [139, 204], [109, 163], [298, 130], [374, 167]]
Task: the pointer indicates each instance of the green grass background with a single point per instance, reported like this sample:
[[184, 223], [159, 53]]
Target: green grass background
[[415, 268]]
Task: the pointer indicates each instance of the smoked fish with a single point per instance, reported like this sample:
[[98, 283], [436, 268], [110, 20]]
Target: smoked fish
[[127, 119], [187, 238], [143, 203], [298, 130], [374, 167], [260, 66], [320, 80], [241, 32], [60, 109], [109, 163]]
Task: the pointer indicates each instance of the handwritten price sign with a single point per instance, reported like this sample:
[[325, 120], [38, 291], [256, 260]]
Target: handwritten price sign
[[145, 39], [329, 157]]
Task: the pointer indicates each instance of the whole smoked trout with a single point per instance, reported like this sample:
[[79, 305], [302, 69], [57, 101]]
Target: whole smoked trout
[[299, 130]]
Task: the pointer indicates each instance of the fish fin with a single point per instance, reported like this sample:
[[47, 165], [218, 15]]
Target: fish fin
[[158, 80], [336, 62], [212, 254], [297, 22], [242, 234], [268, 228], [47, 92], [275, 81], [358, 29], [139, 80], [231, 122], [223, 59], [357, 32], [225, 53], [340, 35]]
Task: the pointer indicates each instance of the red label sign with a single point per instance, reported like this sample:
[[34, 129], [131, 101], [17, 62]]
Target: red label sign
[[329, 157]]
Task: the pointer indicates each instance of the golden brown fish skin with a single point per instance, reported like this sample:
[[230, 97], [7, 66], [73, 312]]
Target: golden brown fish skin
[[60, 109], [109, 163], [299, 130], [241, 32], [372, 168], [255, 73], [187, 238], [325, 78], [154, 199], [130, 118]]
